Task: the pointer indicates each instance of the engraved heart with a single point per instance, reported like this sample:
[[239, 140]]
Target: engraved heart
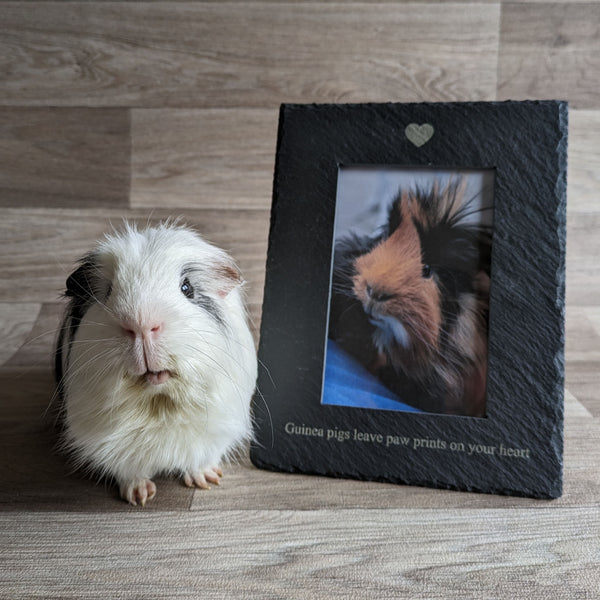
[[419, 134]]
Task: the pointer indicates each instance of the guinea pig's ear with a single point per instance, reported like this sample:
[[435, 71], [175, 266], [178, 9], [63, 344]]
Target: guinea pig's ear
[[81, 283], [228, 277]]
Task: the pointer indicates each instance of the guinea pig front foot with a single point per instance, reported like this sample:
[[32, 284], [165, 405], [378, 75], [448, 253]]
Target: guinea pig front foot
[[137, 491], [202, 477]]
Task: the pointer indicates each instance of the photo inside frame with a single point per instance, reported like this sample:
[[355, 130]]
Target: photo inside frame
[[409, 297]]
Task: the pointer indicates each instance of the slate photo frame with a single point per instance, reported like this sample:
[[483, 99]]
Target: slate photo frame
[[512, 443]]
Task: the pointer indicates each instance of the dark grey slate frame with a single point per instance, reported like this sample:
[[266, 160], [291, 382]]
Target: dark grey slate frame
[[526, 144]]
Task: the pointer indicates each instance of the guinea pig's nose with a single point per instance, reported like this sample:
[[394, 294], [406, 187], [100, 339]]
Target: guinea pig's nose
[[144, 331]]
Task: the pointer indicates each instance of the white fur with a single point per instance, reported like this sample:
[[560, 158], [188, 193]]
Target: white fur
[[118, 423], [389, 330]]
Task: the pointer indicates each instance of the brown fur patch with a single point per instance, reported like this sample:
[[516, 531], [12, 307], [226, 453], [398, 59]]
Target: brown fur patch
[[229, 278], [229, 272], [389, 283]]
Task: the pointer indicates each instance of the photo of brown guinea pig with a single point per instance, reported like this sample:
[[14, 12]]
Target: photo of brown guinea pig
[[411, 303]]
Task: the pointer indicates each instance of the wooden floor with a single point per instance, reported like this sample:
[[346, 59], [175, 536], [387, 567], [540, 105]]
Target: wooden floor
[[143, 110]]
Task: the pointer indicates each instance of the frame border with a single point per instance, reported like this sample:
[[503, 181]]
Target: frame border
[[525, 143]]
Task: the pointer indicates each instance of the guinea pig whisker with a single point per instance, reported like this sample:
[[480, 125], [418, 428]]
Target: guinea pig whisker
[[344, 291], [260, 395], [55, 396], [251, 321], [228, 352], [43, 334], [60, 385], [210, 358], [91, 292], [99, 323], [222, 369], [228, 341], [84, 360], [91, 341], [264, 366], [345, 311]]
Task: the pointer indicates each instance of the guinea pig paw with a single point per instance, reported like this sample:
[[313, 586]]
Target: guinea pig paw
[[202, 477], [138, 491]]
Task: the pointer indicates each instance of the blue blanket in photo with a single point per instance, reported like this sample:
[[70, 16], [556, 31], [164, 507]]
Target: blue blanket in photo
[[348, 383]]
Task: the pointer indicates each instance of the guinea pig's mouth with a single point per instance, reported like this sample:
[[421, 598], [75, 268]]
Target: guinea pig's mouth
[[157, 377]]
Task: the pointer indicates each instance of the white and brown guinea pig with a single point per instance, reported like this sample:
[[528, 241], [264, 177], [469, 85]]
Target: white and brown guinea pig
[[422, 287], [155, 362]]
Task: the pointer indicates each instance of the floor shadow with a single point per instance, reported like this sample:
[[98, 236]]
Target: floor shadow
[[34, 474]]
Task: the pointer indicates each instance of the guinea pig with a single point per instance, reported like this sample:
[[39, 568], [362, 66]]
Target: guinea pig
[[155, 363], [412, 302]]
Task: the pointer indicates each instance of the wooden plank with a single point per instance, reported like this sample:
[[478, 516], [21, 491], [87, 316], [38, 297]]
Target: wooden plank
[[419, 553], [194, 54], [261, 534], [582, 355], [203, 158], [583, 259], [583, 175], [224, 158], [39, 247], [582, 334], [550, 51], [28, 438], [34, 474], [16, 323], [583, 381], [60, 157], [39, 327], [245, 487]]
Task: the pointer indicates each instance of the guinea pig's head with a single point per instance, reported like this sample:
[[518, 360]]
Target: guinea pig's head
[[151, 306], [399, 292]]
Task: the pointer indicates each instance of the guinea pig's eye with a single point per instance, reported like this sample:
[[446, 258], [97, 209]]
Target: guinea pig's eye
[[186, 288], [426, 271]]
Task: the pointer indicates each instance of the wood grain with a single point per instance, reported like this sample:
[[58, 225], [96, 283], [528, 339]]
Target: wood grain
[[582, 351], [16, 323], [517, 553], [583, 380], [583, 335], [584, 161], [40, 247], [583, 253], [210, 158], [244, 54], [58, 157], [171, 108], [244, 487], [550, 51], [33, 348], [29, 437], [34, 473]]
